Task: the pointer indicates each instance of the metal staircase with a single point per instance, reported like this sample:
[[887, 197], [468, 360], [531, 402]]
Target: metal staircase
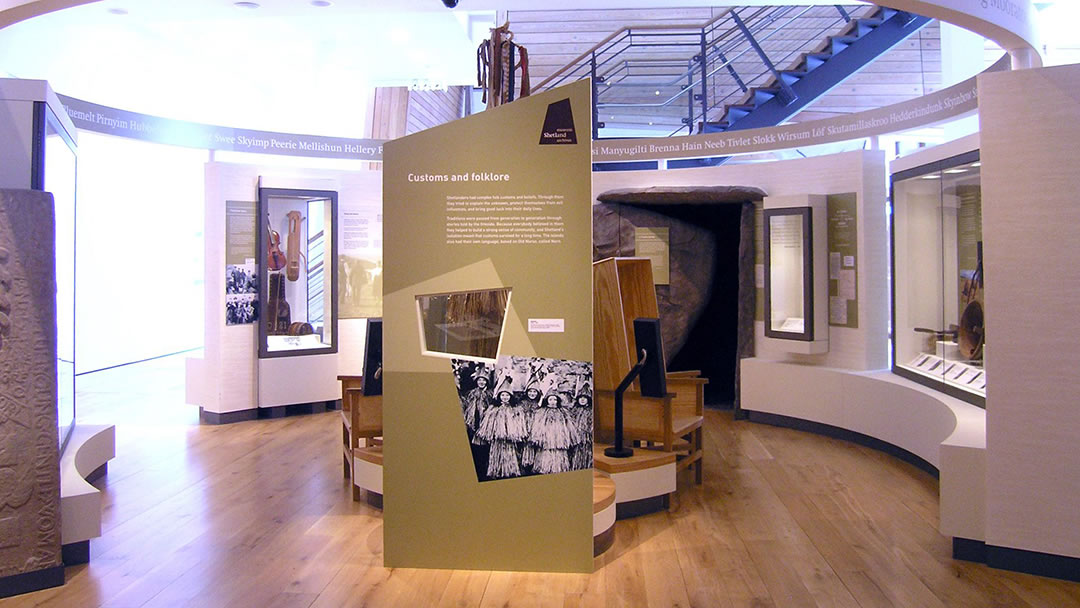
[[723, 74]]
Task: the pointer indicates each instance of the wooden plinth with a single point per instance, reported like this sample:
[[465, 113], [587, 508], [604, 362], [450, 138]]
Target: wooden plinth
[[603, 512]]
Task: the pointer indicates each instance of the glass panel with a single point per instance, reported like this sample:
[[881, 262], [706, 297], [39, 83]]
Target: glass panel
[[467, 324], [59, 179], [938, 282], [786, 278], [299, 288], [962, 221]]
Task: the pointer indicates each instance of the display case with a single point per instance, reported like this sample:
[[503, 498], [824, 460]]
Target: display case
[[788, 287], [297, 275], [794, 237], [466, 324], [939, 338], [38, 145]]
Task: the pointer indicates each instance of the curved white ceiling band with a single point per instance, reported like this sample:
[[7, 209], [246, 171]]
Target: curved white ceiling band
[[1009, 23], [14, 11]]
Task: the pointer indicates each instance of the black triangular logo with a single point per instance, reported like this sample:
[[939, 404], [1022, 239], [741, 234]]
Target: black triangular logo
[[559, 124]]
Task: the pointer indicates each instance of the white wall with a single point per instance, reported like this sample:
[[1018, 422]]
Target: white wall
[[139, 250], [1030, 121]]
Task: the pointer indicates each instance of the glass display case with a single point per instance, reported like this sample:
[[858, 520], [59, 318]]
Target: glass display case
[[39, 151], [297, 273], [57, 165], [789, 286], [939, 338], [465, 324]]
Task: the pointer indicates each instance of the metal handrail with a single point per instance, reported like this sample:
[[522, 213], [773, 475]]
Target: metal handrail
[[586, 54], [708, 78]]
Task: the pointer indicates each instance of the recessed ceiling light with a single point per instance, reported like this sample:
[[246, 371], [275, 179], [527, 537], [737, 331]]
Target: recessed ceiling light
[[951, 171], [931, 176], [658, 92], [118, 11], [321, 3], [251, 5], [976, 164]]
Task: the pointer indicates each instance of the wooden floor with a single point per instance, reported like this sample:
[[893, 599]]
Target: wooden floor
[[258, 514]]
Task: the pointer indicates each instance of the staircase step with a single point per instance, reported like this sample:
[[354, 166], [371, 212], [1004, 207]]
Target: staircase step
[[735, 112], [790, 77], [811, 61], [713, 127], [759, 95], [884, 13], [835, 44], [857, 28]]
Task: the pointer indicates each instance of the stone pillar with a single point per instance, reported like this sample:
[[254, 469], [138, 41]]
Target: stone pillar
[[29, 451]]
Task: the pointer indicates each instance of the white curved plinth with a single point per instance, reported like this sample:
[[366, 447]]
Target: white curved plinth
[[603, 519], [89, 447], [944, 431], [647, 474], [367, 475], [644, 483]]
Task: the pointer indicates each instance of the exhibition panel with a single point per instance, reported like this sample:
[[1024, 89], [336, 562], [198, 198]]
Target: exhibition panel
[[938, 312], [488, 454]]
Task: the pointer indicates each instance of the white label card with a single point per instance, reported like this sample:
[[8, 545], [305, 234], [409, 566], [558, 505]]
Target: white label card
[[547, 326]]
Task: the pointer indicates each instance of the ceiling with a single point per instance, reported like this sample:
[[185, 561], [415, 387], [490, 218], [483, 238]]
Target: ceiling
[[287, 65]]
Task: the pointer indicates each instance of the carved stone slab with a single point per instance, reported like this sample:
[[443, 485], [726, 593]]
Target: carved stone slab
[[29, 456]]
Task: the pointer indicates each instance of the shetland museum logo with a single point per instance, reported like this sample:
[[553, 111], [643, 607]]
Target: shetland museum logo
[[559, 124]]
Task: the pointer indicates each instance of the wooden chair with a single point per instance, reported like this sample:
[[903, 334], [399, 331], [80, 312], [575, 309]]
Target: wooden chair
[[672, 423], [347, 382], [361, 419], [623, 290]]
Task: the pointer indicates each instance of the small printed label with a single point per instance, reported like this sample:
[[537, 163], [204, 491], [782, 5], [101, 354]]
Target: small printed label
[[547, 326]]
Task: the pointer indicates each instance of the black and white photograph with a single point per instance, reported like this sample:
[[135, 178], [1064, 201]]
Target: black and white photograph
[[241, 278], [526, 415], [241, 309]]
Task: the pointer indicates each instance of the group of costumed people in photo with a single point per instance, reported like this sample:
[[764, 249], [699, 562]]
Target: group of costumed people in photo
[[533, 416]]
